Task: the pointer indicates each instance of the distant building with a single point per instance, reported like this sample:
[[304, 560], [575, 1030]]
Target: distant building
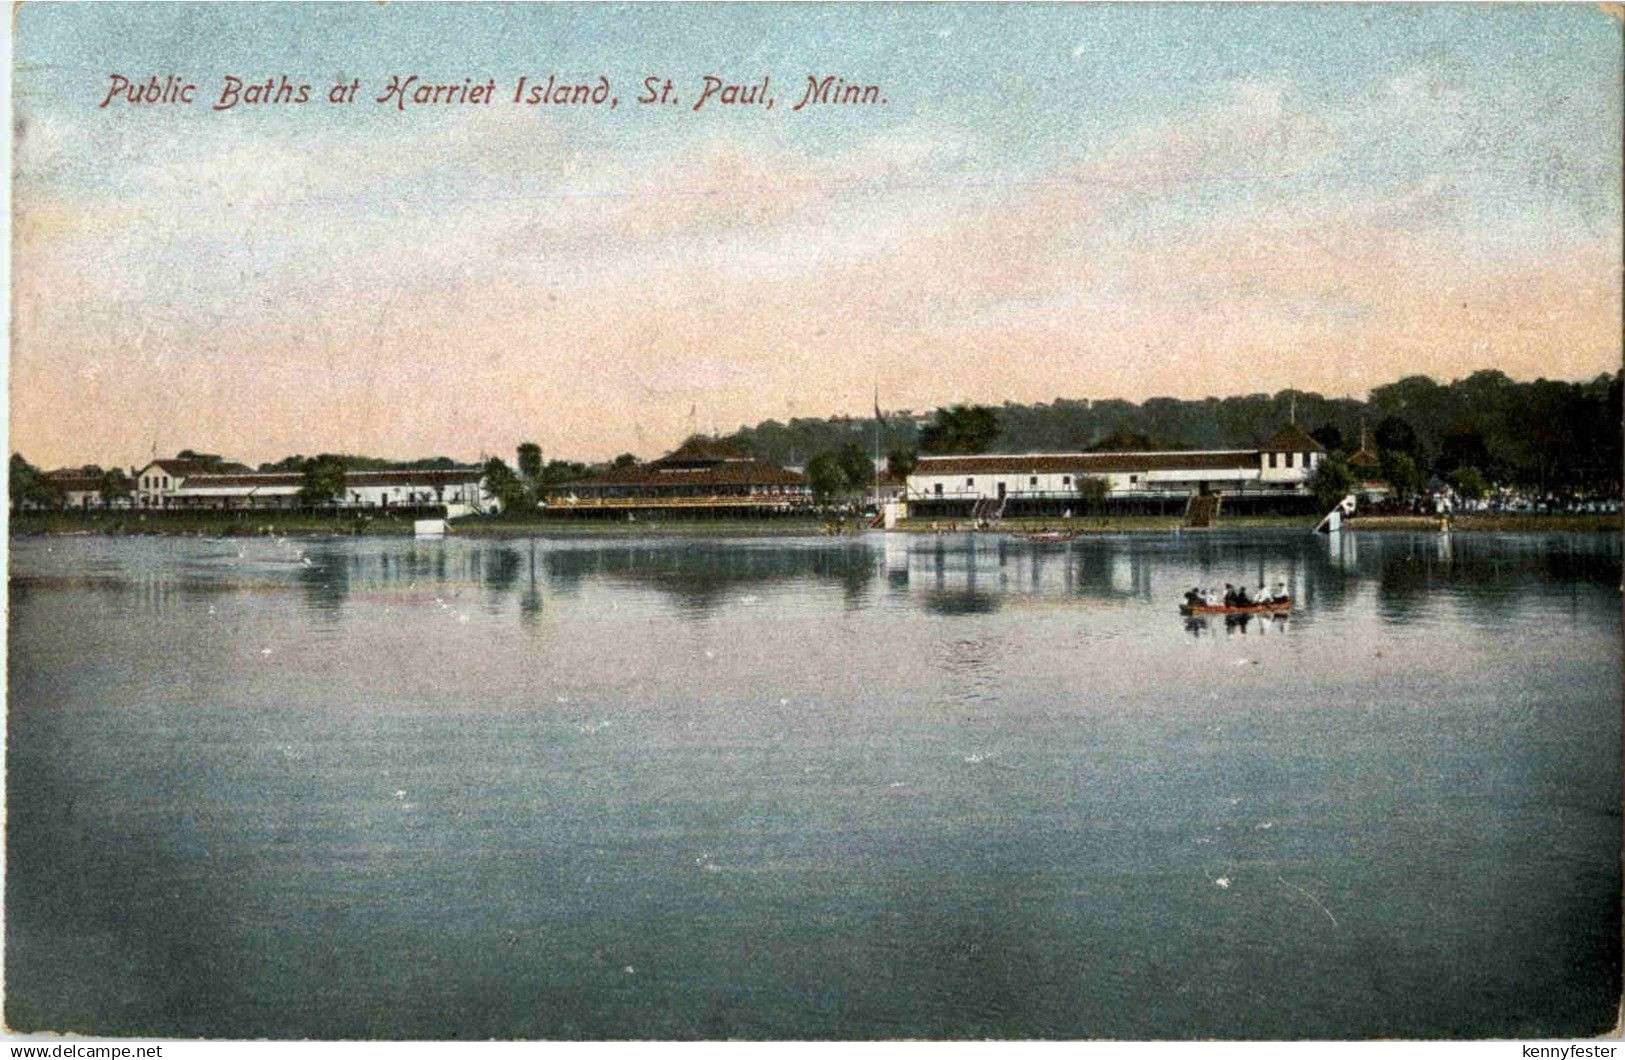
[[1275, 476], [703, 476], [156, 483], [1366, 467], [460, 490], [80, 488]]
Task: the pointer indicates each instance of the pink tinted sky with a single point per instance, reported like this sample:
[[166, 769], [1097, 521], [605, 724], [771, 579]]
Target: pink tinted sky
[[456, 282]]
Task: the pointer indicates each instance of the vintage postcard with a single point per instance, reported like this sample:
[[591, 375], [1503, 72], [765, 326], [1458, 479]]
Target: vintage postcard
[[814, 521]]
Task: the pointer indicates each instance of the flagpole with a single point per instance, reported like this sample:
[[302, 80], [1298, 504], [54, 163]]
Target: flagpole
[[877, 447]]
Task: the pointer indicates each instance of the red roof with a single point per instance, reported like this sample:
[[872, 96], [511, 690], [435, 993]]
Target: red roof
[[73, 479], [452, 477], [253, 478], [178, 468], [703, 450], [725, 473], [443, 477]]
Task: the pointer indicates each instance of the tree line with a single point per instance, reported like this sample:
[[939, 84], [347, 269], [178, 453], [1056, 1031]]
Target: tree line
[[1480, 431], [1485, 429]]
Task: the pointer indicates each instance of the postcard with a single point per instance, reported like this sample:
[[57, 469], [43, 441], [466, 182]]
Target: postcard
[[693, 522]]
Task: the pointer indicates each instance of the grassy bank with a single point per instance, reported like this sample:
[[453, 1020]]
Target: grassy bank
[[209, 524], [1107, 524], [1479, 522], [502, 526], [239, 524]]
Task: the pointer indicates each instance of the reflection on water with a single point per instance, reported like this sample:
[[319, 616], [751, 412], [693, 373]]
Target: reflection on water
[[947, 574], [947, 786]]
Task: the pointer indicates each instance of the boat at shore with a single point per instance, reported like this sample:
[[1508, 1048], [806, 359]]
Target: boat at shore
[[1272, 607], [1050, 537]]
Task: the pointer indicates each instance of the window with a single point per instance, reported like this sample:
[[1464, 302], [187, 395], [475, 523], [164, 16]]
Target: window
[[1032, 480], [970, 482], [1289, 459], [1307, 459], [1132, 479], [1272, 460], [939, 489], [1066, 480]]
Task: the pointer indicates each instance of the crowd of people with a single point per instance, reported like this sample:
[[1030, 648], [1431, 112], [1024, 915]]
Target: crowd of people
[[1236, 596]]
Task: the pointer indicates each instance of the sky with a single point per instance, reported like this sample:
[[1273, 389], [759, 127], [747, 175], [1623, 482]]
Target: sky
[[1104, 201]]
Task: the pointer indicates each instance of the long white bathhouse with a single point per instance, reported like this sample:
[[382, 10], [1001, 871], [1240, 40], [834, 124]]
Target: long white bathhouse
[[1275, 477], [180, 484]]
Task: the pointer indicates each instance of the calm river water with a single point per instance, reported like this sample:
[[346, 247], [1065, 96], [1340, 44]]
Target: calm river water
[[781, 788]]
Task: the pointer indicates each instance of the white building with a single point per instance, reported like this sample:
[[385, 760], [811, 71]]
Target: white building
[[459, 490], [995, 484], [157, 483], [80, 488]]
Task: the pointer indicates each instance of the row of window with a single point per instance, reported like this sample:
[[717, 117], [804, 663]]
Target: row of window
[[154, 482], [1308, 458]]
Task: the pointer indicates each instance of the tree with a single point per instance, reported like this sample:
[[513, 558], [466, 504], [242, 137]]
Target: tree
[[857, 467], [324, 480], [900, 461], [624, 460], [1469, 482], [115, 486], [530, 461], [1401, 472], [965, 429], [29, 485], [1329, 436], [1123, 440], [1396, 435], [1332, 482], [825, 476], [1093, 487], [501, 481], [558, 471], [1463, 446]]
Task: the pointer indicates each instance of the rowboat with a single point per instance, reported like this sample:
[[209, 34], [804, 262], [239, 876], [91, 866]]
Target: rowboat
[[1274, 607], [1050, 537]]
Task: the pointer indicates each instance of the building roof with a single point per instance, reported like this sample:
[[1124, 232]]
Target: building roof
[[733, 472], [1090, 463], [253, 479], [73, 479], [1291, 437], [248, 481], [699, 450], [176, 467], [1365, 458], [697, 462], [437, 477]]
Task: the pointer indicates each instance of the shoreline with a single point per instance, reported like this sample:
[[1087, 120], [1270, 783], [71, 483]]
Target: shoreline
[[213, 524]]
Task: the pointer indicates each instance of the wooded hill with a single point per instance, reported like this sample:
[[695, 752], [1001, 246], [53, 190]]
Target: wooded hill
[[1544, 434]]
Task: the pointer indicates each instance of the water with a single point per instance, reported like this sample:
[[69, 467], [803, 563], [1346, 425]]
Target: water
[[866, 788]]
